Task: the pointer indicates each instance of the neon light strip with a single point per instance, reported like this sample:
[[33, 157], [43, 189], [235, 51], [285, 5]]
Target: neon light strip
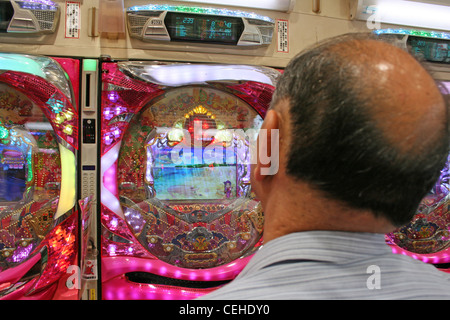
[[277, 5], [68, 181], [420, 33], [121, 289], [438, 257], [45, 2], [38, 5], [118, 265], [201, 10]]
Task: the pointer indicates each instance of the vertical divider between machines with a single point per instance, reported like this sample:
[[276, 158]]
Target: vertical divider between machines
[[89, 171], [80, 231], [98, 212]]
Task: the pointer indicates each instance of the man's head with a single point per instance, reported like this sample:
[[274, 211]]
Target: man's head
[[364, 123]]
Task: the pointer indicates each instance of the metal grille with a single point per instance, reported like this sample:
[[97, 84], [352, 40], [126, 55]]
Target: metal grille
[[136, 23], [45, 18]]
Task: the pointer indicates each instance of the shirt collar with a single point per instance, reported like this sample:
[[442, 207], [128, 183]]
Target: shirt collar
[[325, 246]]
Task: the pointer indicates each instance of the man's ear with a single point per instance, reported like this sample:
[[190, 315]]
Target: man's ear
[[267, 157]]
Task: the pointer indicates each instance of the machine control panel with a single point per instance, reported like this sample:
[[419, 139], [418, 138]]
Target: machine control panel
[[89, 130], [199, 25], [89, 169], [28, 16]]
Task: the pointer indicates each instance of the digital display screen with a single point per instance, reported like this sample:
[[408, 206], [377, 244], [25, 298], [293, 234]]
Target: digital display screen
[[434, 50], [203, 28], [196, 181], [12, 175]]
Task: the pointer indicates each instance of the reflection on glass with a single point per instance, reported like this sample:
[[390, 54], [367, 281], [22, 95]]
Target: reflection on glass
[[30, 176], [184, 177]]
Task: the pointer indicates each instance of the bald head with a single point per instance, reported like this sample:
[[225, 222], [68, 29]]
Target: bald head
[[368, 125], [405, 102]]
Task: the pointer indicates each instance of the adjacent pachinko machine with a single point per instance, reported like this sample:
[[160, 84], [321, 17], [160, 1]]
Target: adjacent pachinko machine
[[38, 192], [178, 215], [427, 236]]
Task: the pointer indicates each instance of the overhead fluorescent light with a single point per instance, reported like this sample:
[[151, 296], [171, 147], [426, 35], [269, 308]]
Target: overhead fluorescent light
[[405, 13], [276, 5]]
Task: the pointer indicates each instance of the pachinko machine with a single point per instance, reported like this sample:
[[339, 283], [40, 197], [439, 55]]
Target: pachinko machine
[[178, 215], [38, 161]]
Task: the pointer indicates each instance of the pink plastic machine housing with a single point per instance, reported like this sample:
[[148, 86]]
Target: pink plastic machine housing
[[38, 148], [178, 215]]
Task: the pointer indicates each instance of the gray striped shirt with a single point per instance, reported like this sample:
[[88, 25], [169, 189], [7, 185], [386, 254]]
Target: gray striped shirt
[[334, 265]]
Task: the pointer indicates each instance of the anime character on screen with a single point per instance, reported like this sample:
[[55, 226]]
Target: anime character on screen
[[227, 189]]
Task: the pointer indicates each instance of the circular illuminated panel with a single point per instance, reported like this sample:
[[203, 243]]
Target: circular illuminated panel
[[429, 231], [30, 176], [184, 177]]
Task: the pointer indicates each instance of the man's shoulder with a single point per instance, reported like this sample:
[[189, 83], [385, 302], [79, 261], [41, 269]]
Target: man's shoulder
[[384, 277]]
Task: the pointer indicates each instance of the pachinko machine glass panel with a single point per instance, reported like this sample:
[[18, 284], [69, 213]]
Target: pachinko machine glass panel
[[178, 214], [38, 143]]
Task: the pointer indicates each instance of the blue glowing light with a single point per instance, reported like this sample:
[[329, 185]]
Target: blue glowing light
[[55, 105], [413, 32], [201, 10]]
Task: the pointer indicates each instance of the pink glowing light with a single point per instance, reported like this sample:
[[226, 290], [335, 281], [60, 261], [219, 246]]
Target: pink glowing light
[[109, 179], [115, 266], [121, 289], [433, 258]]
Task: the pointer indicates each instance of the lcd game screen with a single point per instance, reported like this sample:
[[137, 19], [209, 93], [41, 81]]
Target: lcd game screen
[[204, 28], [193, 181], [12, 175], [435, 50]]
